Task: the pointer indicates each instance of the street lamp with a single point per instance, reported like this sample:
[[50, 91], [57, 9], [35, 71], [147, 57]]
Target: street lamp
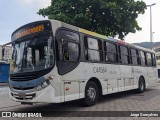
[[153, 36], [151, 22]]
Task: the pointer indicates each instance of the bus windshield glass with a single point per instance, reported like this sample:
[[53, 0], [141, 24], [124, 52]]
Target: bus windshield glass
[[32, 55]]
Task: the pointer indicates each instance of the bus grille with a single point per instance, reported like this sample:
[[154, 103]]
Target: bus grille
[[24, 78], [23, 96], [27, 88]]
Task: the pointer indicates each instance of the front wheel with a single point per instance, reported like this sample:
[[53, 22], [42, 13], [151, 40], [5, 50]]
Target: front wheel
[[91, 94]]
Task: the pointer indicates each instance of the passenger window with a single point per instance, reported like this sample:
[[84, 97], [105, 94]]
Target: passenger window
[[92, 43], [68, 46], [110, 52], [134, 57], [71, 51], [153, 60], [149, 59], [124, 56], [67, 35], [93, 50], [143, 58]]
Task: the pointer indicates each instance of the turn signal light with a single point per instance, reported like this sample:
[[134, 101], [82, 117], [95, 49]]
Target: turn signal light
[[50, 77]]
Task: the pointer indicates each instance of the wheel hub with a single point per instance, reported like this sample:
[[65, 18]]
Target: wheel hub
[[91, 93]]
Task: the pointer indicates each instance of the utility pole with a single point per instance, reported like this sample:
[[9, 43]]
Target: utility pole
[[151, 34]]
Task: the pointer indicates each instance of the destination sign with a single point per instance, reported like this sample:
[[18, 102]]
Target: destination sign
[[36, 29], [31, 28]]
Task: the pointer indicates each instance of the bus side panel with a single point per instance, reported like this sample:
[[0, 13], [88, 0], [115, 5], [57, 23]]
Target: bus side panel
[[138, 72], [57, 84], [113, 83], [102, 72], [71, 90], [71, 83], [127, 76], [152, 76]]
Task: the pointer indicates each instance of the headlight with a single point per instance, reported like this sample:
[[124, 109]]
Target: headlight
[[43, 85]]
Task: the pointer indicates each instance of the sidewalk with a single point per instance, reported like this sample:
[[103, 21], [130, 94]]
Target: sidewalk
[[4, 84]]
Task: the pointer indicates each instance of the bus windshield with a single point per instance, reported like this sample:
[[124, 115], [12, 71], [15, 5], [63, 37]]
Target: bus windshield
[[32, 55]]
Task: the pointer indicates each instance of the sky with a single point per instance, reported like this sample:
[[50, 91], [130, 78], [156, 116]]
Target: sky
[[15, 13]]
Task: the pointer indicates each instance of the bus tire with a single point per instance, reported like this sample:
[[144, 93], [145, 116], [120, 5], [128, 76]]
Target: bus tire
[[91, 94], [141, 85]]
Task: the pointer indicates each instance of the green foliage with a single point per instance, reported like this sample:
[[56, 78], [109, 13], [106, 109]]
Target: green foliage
[[107, 17]]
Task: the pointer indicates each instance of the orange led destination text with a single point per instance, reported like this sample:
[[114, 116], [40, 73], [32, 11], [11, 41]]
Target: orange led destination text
[[36, 29]]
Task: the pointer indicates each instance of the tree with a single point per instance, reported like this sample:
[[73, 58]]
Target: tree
[[107, 17]]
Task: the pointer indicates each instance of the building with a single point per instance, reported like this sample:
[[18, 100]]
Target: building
[[157, 50], [7, 53]]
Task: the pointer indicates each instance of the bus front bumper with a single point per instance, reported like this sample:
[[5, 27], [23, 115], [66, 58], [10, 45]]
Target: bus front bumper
[[46, 95]]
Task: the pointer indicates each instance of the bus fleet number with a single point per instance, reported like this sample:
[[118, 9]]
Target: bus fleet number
[[100, 70]]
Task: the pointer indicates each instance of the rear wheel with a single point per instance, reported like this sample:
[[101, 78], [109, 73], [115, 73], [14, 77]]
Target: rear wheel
[[91, 94], [141, 85]]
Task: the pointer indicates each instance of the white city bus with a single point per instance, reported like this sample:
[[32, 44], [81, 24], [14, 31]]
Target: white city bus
[[55, 62]]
